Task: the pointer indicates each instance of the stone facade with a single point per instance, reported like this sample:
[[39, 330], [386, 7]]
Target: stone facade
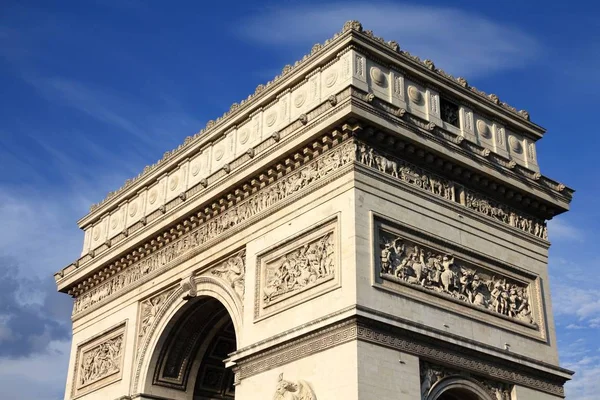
[[363, 226]]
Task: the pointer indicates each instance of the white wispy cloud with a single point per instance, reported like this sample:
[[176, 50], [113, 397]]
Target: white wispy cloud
[[581, 358], [572, 300], [145, 123], [460, 42], [560, 229], [39, 229]]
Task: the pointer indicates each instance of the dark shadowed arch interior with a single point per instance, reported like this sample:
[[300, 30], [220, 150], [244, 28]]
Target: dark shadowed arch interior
[[213, 380], [190, 362], [458, 394]]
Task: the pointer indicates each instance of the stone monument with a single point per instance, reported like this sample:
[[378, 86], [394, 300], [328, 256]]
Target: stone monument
[[364, 226]]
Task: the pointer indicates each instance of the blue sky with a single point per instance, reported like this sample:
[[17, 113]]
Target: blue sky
[[92, 91]]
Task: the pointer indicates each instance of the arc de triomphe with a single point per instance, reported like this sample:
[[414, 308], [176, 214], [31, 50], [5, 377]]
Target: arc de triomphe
[[364, 226]]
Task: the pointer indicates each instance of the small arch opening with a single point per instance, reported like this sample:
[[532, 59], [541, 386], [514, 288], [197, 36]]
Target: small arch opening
[[458, 394]]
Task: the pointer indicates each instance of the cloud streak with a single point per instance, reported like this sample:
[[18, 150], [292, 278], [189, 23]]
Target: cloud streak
[[460, 42], [560, 229], [585, 361]]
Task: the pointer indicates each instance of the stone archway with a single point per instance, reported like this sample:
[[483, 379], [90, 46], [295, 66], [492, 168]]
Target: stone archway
[[457, 388], [195, 330]]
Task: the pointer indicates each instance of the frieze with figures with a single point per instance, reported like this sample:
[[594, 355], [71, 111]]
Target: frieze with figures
[[289, 184], [298, 270], [449, 190], [404, 261], [502, 213]]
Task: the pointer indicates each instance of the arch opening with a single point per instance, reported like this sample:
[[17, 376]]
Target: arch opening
[[188, 361], [458, 394], [458, 388]]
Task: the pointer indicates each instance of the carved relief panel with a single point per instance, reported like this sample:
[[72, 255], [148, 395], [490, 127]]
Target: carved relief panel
[[199, 167], [441, 274], [433, 106], [416, 96], [136, 209], [155, 196], [176, 183], [233, 271], [467, 124], [397, 89], [330, 79], [484, 129], [379, 80], [296, 271], [531, 155], [117, 221], [223, 150], [99, 361], [148, 313], [99, 233]]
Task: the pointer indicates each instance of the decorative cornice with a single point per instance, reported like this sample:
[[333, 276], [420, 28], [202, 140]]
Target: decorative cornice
[[426, 348], [237, 109], [321, 112], [242, 205], [234, 110], [448, 189], [439, 135], [429, 65], [209, 212], [390, 142]]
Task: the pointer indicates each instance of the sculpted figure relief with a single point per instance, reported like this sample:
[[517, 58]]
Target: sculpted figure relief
[[101, 361], [447, 189], [406, 262], [406, 172], [233, 270], [304, 267], [148, 311], [211, 229], [287, 390], [503, 213]]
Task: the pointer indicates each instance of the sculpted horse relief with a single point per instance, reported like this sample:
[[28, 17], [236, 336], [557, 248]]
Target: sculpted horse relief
[[287, 390]]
